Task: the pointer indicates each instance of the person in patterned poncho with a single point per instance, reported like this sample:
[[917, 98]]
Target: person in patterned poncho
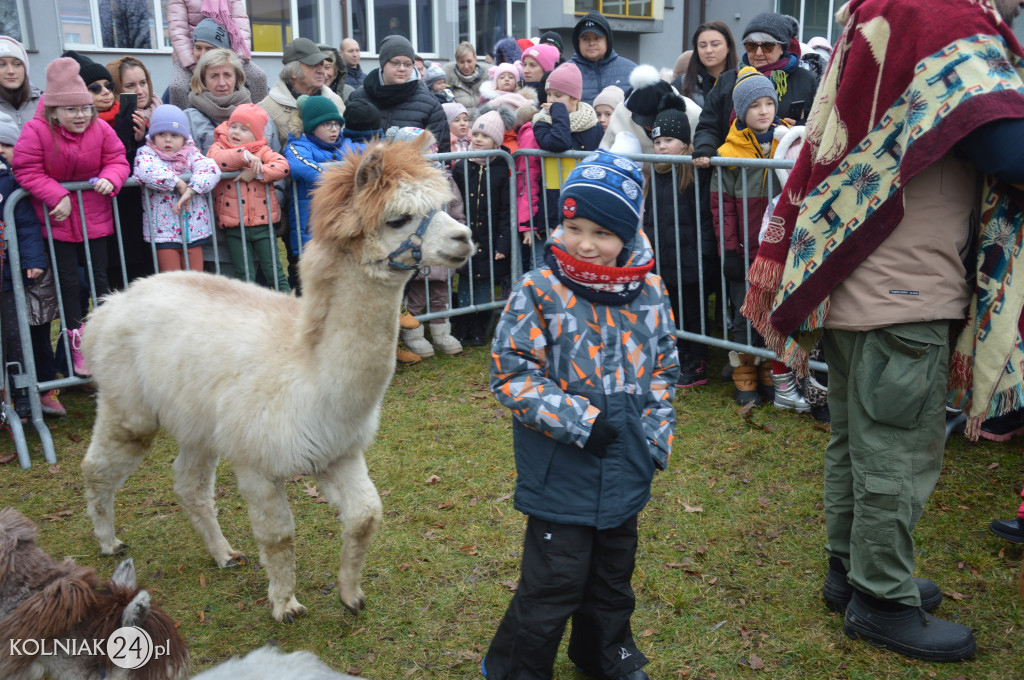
[[585, 358], [898, 231]]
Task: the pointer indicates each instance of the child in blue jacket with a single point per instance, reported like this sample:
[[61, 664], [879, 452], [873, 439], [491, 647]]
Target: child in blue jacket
[[322, 142], [584, 356]]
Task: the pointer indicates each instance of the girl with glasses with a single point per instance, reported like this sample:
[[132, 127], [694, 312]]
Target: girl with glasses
[[66, 143]]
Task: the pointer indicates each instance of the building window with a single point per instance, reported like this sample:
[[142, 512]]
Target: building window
[[485, 22], [10, 20], [631, 9], [816, 17], [372, 21], [124, 24], [275, 23]]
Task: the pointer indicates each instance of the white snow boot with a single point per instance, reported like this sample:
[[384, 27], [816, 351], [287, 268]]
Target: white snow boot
[[444, 341], [417, 344]]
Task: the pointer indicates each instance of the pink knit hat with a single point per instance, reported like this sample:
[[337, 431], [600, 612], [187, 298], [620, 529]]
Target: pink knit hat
[[491, 125], [546, 55], [64, 87], [251, 116], [568, 79], [496, 71]]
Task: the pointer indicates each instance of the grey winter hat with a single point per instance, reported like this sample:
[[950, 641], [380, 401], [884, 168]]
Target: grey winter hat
[[304, 50], [209, 31], [750, 86], [396, 46], [8, 130], [778, 26]]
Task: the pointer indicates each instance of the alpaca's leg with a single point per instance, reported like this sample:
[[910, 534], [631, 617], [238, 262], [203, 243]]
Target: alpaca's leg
[[274, 529], [195, 474], [114, 453], [347, 486]]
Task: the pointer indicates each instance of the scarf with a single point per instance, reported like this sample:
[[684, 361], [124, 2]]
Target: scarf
[[218, 109], [220, 11], [866, 138], [389, 96], [777, 71], [361, 136], [110, 113], [469, 80], [583, 118], [178, 161], [616, 285]]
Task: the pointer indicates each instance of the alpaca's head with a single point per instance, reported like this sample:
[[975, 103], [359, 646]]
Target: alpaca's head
[[374, 202], [43, 599]]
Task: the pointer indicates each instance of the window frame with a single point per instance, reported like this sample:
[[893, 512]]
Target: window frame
[[23, 26], [371, 28], [471, 20], [293, 8], [97, 30], [831, 13], [626, 3]]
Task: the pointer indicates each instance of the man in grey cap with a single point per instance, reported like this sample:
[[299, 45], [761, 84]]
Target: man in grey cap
[[304, 72]]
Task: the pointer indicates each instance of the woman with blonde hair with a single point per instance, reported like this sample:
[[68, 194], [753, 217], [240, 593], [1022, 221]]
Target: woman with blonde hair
[[216, 89], [465, 76]]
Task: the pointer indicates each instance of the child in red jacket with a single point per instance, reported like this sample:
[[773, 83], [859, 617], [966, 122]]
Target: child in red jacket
[[240, 145]]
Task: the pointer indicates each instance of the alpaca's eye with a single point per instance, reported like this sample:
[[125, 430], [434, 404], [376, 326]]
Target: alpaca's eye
[[399, 222]]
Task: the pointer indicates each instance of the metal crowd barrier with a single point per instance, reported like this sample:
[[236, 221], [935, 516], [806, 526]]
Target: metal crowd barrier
[[25, 376]]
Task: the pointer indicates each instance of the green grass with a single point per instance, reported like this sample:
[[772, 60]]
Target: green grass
[[728, 573]]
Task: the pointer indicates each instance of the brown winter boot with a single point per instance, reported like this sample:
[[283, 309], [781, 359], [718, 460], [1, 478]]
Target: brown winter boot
[[404, 356], [765, 386], [744, 378], [408, 322]]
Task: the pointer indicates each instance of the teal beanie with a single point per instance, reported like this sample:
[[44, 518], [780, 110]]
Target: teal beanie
[[317, 109]]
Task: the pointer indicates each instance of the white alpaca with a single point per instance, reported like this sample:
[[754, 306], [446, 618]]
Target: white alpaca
[[276, 385]]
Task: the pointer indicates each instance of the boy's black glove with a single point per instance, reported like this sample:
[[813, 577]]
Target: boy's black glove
[[602, 435], [733, 266]]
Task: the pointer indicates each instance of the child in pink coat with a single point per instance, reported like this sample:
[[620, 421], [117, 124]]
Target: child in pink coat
[[66, 142]]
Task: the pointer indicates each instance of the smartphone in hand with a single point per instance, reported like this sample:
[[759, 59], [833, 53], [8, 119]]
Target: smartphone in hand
[[796, 110], [128, 103]]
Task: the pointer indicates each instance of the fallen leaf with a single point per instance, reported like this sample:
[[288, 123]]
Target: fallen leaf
[[8, 458], [690, 508], [240, 605], [502, 499], [181, 568], [202, 581], [261, 600], [433, 479], [955, 595], [54, 469], [511, 585], [310, 490], [403, 567], [763, 502], [469, 549], [74, 437], [993, 466], [755, 662], [57, 516], [713, 580], [648, 632], [445, 506], [202, 617]]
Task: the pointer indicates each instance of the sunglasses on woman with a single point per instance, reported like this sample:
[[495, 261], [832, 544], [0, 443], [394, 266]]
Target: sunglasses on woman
[[765, 47], [100, 85]]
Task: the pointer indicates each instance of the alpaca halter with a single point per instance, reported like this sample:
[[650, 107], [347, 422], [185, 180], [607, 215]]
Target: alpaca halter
[[410, 244]]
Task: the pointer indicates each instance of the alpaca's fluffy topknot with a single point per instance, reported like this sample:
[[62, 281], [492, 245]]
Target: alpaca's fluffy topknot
[[643, 75]]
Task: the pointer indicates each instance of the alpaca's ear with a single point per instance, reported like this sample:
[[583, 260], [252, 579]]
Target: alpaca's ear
[[371, 167], [423, 140], [137, 610], [124, 575]]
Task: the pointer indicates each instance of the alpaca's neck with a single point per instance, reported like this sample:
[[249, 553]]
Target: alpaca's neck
[[349, 321]]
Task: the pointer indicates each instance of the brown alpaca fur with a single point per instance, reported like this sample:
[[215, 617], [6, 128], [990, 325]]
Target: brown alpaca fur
[[42, 599]]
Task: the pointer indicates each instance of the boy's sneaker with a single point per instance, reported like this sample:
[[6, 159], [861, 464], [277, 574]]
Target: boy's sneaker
[[51, 404], [1003, 428], [694, 373]]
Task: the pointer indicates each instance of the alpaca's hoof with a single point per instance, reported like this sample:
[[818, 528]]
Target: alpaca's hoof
[[355, 605], [119, 549], [237, 560], [291, 613]]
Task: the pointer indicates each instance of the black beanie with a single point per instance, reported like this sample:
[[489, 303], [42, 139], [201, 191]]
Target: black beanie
[[360, 114], [672, 120], [553, 38], [89, 69]]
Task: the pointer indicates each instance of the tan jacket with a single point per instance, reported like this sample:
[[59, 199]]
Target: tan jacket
[[280, 106], [918, 272]]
